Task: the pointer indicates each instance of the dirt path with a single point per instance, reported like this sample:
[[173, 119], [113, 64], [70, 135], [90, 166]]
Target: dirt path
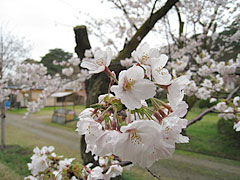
[[178, 167]]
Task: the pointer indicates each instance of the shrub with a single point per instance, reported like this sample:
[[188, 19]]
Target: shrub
[[225, 130]]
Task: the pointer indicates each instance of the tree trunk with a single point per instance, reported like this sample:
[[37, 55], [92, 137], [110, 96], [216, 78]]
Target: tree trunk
[[81, 38], [99, 83], [86, 157], [2, 108], [2, 125]]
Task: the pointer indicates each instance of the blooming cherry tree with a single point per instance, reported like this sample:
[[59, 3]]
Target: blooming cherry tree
[[122, 128]]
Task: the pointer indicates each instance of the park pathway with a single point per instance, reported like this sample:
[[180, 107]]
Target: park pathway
[[179, 167]]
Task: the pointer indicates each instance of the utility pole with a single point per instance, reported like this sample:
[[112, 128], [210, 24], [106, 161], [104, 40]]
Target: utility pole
[[3, 115]]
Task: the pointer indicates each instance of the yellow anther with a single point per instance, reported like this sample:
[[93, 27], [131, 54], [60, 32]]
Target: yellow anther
[[159, 69], [128, 83], [167, 129], [135, 138], [145, 58], [100, 62]]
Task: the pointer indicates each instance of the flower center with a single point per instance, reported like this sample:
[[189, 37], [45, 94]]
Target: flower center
[[128, 83], [100, 62], [145, 58], [159, 69], [135, 138]]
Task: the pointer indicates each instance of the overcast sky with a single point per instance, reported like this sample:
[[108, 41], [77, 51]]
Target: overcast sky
[[47, 24]]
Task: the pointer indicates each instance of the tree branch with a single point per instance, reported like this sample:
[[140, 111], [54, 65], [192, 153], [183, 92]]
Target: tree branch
[[154, 5], [213, 19], [181, 23], [170, 31], [121, 7], [232, 93], [144, 30], [153, 174], [206, 111], [200, 116]]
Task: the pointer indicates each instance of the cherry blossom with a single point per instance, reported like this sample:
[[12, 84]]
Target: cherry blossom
[[161, 75], [175, 90], [67, 71], [144, 54], [136, 140], [113, 171], [132, 86], [101, 60], [237, 126]]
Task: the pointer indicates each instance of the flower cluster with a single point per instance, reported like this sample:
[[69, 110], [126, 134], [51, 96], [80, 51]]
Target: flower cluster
[[108, 168], [3, 90], [230, 110], [47, 165], [211, 75], [124, 124]]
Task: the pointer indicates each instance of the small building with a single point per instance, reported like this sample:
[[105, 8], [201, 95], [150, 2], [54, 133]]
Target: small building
[[20, 98]]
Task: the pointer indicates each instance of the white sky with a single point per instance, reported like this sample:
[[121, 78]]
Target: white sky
[[48, 24]]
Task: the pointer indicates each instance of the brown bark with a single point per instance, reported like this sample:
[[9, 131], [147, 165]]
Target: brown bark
[[3, 115], [2, 125], [82, 41], [2, 106]]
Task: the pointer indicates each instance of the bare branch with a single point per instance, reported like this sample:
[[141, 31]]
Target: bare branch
[[200, 116], [170, 31], [206, 111], [181, 23], [123, 164], [121, 7], [154, 5], [232, 93], [213, 19], [153, 174]]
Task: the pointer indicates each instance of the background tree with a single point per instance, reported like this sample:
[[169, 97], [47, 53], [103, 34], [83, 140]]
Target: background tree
[[13, 49], [187, 22], [58, 55], [30, 60], [98, 84], [188, 28]]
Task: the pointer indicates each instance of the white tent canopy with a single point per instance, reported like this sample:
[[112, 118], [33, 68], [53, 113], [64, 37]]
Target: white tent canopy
[[61, 94]]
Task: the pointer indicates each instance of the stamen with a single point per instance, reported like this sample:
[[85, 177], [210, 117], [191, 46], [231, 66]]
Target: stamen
[[135, 138], [100, 62], [127, 85], [145, 58]]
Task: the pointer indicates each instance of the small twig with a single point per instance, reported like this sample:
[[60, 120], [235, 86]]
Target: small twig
[[200, 116], [154, 5], [123, 163], [122, 7], [232, 93], [153, 174], [206, 111], [217, 112]]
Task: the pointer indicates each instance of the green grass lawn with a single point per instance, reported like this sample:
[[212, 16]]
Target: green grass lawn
[[47, 110], [205, 139], [16, 158], [7, 173], [204, 136]]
